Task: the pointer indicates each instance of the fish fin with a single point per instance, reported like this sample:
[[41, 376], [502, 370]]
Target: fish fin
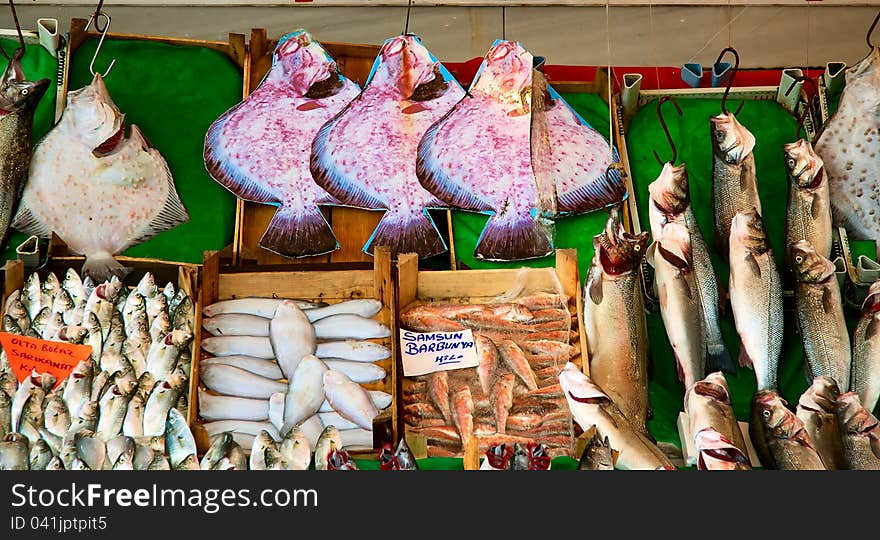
[[436, 182], [599, 193], [299, 233], [679, 369], [322, 164], [650, 253], [744, 359], [594, 284], [26, 222], [753, 265], [827, 301], [719, 358], [225, 172], [511, 238], [171, 215], [407, 233], [102, 267]]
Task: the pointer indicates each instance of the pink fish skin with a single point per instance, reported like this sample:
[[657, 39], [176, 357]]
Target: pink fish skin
[[518, 363], [259, 150], [502, 396], [488, 357], [438, 391], [495, 173], [463, 407], [366, 155]]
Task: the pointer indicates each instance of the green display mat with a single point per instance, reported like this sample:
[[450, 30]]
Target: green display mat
[[455, 464], [772, 127], [37, 64], [571, 232], [173, 94]]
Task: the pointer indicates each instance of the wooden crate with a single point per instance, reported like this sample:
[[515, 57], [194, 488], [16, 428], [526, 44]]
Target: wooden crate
[[184, 275], [331, 283], [484, 286]]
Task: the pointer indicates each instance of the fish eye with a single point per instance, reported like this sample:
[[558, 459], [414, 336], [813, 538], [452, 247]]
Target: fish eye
[[791, 162], [25, 91], [719, 135], [637, 247], [799, 259], [767, 414]]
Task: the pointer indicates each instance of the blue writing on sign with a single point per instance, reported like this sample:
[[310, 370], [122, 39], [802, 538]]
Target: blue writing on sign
[[419, 348], [447, 359]]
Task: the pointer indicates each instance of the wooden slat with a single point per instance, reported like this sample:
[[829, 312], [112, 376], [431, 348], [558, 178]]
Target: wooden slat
[[480, 283], [316, 285], [13, 280]]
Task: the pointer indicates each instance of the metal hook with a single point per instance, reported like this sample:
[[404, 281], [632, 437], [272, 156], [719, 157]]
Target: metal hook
[[660, 103], [871, 30], [803, 115], [103, 32], [20, 35], [406, 25], [733, 72]]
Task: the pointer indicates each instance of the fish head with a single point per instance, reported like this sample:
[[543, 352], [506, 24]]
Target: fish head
[[618, 251], [714, 387], [674, 246], [717, 452], [407, 69], [821, 396], [670, 190], [809, 265], [305, 67], [805, 168], [580, 388], [871, 304], [731, 141], [506, 73], [774, 415], [866, 73], [747, 227], [852, 416], [19, 95], [98, 123]]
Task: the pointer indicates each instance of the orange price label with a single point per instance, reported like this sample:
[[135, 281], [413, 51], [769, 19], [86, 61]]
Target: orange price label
[[26, 354]]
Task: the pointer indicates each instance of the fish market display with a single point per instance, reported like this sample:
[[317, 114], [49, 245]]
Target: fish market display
[[131, 395], [671, 255], [292, 366], [670, 203], [614, 319], [496, 133], [817, 409], [401, 459], [820, 314], [18, 101], [808, 214], [513, 395], [734, 187], [756, 297], [779, 436], [861, 433], [866, 351], [849, 145], [259, 149], [714, 426], [516, 457], [366, 155], [590, 406], [117, 191]]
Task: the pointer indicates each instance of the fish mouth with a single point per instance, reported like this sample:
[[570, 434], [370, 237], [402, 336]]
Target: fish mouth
[[327, 87], [591, 400], [712, 390], [110, 145], [872, 301]]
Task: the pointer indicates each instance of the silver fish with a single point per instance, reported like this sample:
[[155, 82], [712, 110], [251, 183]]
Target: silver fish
[[74, 286], [295, 450], [264, 443], [349, 349], [163, 354], [157, 306], [329, 441], [5, 414], [258, 366], [808, 213], [161, 400], [180, 442], [861, 433], [95, 339], [91, 449], [263, 307], [779, 436], [866, 350], [363, 307], [134, 302], [56, 416], [15, 309], [292, 337], [112, 410], [232, 381], [734, 186], [817, 409], [40, 455], [14, 454]]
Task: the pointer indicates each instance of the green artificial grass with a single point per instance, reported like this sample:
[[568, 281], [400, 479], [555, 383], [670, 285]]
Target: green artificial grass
[[571, 232], [37, 64], [173, 94], [772, 127]]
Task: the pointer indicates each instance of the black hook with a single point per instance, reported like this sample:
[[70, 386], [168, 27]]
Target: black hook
[[871, 30], [803, 115], [96, 15], [660, 103], [406, 25], [20, 35], [733, 72]]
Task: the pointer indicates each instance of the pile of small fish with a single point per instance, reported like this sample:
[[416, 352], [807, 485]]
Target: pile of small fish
[[280, 363], [512, 396], [516, 457], [138, 370]]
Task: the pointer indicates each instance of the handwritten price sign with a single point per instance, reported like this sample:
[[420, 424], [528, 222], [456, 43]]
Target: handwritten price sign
[[427, 352], [26, 354]]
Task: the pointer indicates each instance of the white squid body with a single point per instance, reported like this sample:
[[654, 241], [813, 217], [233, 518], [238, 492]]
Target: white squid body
[[99, 191]]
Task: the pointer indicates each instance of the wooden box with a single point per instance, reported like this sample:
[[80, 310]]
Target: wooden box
[[331, 283]]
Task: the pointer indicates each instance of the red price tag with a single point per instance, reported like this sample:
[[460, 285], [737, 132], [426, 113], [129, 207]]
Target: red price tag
[[26, 354]]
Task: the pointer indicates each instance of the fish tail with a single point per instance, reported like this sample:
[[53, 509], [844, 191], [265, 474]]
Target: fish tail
[[102, 266], [509, 237], [601, 192], [412, 232], [719, 358], [299, 232]]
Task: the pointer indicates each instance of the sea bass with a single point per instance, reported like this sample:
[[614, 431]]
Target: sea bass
[[808, 214], [18, 101], [670, 202], [756, 297], [680, 307], [817, 409], [259, 150], [861, 433], [708, 406], [779, 436], [866, 351], [850, 145], [366, 155], [117, 191], [734, 187], [614, 319]]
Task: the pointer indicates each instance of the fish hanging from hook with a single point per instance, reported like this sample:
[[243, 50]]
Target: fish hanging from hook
[[94, 19]]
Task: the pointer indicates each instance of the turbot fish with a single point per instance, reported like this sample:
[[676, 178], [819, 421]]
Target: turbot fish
[[259, 149], [734, 184], [366, 155], [117, 191]]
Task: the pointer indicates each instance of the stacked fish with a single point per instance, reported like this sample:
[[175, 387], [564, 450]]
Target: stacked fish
[[279, 363], [512, 396], [138, 370]]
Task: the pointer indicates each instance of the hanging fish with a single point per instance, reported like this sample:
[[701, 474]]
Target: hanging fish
[[259, 149], [849, 144], [366, 155], [98, 190], [18, 101]]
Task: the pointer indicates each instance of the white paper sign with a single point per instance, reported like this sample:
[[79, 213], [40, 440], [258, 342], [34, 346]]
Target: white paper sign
[[427, 352]]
